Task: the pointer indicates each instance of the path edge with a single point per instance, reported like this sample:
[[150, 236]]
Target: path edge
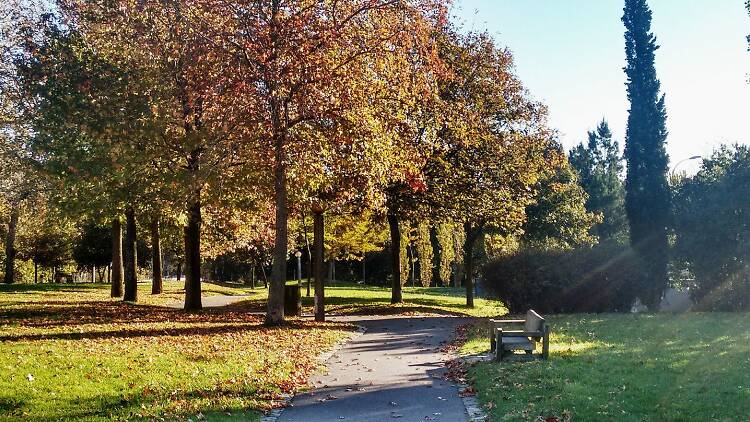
[[274, 414], [474, 411]]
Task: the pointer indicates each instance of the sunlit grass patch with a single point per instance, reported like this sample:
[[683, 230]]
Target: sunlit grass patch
[[358, 299], [626, 368], [75, 353]]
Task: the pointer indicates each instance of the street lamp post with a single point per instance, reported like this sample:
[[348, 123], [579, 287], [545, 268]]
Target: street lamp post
[[674, 168], [298, 254]]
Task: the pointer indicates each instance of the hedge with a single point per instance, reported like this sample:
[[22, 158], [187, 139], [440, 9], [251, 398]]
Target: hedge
[[602, 278]]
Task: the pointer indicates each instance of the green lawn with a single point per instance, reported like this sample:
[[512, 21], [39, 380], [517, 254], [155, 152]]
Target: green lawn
[[355, 299], [694, 366], [71, 352]]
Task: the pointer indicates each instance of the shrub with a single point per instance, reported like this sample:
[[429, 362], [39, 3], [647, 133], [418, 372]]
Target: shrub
[[602, 278]]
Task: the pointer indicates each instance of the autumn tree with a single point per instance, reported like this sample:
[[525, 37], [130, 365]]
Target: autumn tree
[[492, 147], [16, 175], [82, 111], [295, 64], [647, 200], [190, 134]]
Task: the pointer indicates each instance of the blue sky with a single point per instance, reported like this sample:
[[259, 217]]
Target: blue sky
[[570, 55]]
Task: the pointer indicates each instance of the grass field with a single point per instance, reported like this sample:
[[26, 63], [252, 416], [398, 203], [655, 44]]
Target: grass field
[[625, 368], [71, 352], [355, 299]]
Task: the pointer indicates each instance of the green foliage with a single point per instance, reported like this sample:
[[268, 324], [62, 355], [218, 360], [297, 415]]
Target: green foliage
[[647, 199], [494, 144], [629, 368], [350, 236], [46, 237], [405, 228], [423, 252], [87, 116], [558, 218], [599, 169], [713, 230], [93, 248], [447, 253], [588, 279]]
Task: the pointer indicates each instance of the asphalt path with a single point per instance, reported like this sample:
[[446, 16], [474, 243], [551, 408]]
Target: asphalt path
[[394, 371]]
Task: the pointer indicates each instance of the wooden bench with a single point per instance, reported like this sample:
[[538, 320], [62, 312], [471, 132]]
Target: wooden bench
[[509, 335]]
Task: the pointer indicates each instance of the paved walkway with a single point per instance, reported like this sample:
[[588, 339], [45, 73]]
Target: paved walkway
[[392, 372]]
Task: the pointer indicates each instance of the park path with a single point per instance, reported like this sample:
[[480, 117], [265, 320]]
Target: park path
[[394, 371]]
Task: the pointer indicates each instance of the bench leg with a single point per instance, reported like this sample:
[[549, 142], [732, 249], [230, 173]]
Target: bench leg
[[500, 354], [499, 351]]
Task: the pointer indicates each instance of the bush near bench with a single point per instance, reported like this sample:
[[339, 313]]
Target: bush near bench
[[602, 278]]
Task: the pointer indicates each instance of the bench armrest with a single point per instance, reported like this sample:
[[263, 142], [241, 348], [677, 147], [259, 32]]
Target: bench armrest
[[507, 321], [521, 333]]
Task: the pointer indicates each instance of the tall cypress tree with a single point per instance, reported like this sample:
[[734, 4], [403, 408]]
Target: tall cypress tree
[[647, 200]]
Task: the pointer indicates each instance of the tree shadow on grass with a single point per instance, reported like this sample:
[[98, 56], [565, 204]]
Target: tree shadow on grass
[[50, 287], [170, 332], [371, 306]]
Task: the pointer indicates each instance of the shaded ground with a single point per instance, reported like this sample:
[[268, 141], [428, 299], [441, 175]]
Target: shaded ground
[[214, 301], [393, 371]]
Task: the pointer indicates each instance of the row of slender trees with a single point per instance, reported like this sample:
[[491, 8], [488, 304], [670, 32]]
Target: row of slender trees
[[248, 113], [229, 117]]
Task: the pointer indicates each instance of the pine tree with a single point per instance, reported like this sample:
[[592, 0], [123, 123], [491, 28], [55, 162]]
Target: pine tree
[[647, 200], [598, 166]]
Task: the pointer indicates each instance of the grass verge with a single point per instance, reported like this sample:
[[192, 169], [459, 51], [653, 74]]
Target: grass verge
[[693, 366], [70, 352]]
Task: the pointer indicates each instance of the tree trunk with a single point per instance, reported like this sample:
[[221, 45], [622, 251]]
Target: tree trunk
[[396, 296], [437, 253], [129, 257], [310, 273], [193, 256], [472, 234], [109, 273], [275, 310], [318, 241], [412, 264], [10, 245], [156, 283], [36, 272], [364, 268], [179, 271], [331, 270]]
